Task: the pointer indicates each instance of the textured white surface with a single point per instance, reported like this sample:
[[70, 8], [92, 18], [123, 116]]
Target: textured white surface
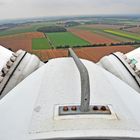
[[28, 65], [27, 112], [5, 55], [113, 65], [135, 55]]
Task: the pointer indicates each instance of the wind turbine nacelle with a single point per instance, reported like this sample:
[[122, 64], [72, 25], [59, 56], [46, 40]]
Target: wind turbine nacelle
[[69, 98], [14, 67]]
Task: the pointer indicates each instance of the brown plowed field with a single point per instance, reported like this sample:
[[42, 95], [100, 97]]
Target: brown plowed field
[[93, 38], [24, 41], [95, 54], [92, 54], [20, 41], [51, 53]]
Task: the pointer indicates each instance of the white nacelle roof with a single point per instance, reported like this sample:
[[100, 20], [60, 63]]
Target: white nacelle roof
[[29, 111]]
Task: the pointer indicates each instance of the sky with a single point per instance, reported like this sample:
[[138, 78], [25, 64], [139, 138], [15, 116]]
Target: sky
[[10, 9]]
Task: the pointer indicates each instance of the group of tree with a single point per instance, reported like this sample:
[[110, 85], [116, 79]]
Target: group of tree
[[51, 29], [100, 45], [78, 46], [126, 43], [71, 23], [128, 27]]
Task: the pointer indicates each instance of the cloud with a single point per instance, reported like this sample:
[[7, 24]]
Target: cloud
[[2, 3], [32, 8]]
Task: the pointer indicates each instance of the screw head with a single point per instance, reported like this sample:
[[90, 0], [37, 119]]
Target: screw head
[[5, 70], [95, 108], [65, 108], [137, 72], [73, 108], [103, 108], [13, 58], [9, 64], [133, 66], [15, 54]]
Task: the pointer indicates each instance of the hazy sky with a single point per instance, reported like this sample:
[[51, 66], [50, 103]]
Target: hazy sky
[[35, 8]]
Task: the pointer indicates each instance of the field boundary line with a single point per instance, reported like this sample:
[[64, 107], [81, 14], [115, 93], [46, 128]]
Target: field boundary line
[[50, 43]]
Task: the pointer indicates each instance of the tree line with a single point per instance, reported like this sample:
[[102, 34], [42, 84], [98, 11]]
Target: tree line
[[100, 45]]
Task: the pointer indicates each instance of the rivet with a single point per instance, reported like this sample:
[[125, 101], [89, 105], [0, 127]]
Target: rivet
[[73, 108], [13, 58], [133, 66], [103, 108], [5, 70], [9, 64], [65, 108], [137, 72], [95, 108], [15, 54]]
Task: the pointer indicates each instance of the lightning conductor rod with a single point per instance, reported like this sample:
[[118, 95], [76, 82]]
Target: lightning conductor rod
[[85, 84]]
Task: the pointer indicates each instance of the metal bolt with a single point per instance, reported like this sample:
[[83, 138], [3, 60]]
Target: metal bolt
[[9, 64], [15, 54], [73, 108], [128, 61], [65, 108], [95, 108], [13, 58], [2, 74], [5, 70], [137, 72], [103, 108], [133, 66]]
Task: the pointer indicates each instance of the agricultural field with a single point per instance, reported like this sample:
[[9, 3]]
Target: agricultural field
[[25, 28], [92, 54], [50, 39], [134, 30], [40, 44], [92, 37], [66, 39], [20, 41], [98, 29], [124, 34], [99, 26], [96, 53], [50, 53]]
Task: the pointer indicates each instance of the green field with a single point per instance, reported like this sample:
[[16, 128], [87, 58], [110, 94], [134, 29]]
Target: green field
[[66, 38], [40, 44], [123, 34]]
